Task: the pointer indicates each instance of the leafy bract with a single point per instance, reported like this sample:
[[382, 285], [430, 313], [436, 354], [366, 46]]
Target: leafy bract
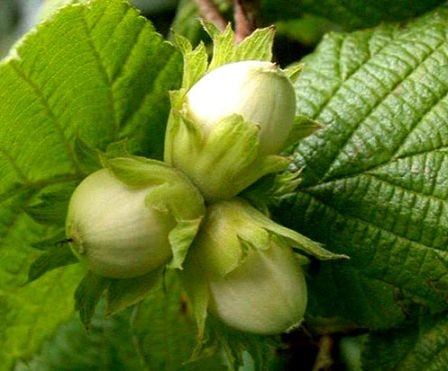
[[257, 46], [374, 182], [95, 72], [164, 330]]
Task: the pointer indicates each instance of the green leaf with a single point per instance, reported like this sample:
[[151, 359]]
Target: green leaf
[[308, 30], [86, 156], [186, 21], [108, 345], [350, 14], [422, 345], [273, 10], [51, 242], [50, 7], [95, 71], [51, 207], [365, 13], [373, 181], [32, 312], [165, 333], [88, 294], [55, 258]]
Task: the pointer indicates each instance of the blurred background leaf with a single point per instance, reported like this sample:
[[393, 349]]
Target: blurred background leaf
[[108, 345]]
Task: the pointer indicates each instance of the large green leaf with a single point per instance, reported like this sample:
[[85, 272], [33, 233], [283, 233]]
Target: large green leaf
[[94, 73], [349, 13], [374, 180]]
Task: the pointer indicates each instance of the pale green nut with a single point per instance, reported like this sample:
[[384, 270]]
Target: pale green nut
[[125, 230], [258, 91], [265, 295], [227, 131], [249, 276]]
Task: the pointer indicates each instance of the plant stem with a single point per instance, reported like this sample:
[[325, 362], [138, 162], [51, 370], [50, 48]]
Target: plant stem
[[245, 12], [324, 359], [211, 13]]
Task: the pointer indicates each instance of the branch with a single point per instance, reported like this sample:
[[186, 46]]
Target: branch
[[211, 13], [245, 12]]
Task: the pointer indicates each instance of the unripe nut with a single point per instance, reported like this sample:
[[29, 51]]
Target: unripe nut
[[258, 91], [112, 230], [266, 295]]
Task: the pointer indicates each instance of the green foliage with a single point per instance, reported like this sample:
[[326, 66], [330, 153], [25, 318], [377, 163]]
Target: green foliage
[[421, 345], [350, 14], [107, 346], [95, 71], [58, 257], [373, 181], [186, 22], [308, 30], [237, 346], [165, 331], [367, 13], [307, 20]]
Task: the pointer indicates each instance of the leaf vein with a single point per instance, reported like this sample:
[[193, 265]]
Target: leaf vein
[[103, 72], [50, 113], [349, 75], [135, 43], [376, 105], [417, 123], [39, 184], [147, 94], [309, 192], [14, 165]]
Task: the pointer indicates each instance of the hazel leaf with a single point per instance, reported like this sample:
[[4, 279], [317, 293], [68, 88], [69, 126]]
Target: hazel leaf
[[374, 183], [94, 72]]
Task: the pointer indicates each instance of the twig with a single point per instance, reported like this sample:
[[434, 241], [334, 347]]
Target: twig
[[323, 359], [211, 13], [245, 18]]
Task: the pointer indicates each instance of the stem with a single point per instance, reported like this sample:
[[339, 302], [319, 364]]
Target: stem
[[245, 12], [211, 13], [323, 359]]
